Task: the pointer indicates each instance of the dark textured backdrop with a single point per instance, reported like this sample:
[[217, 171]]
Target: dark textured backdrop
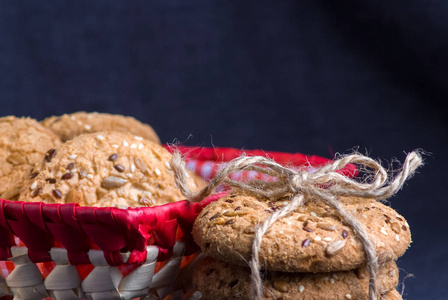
[[316, 78]]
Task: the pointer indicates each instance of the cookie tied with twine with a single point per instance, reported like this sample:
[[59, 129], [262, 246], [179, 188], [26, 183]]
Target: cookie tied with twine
[[324, 183]]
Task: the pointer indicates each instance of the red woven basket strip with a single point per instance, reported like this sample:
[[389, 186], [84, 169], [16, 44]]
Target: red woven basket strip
[[112, 230], [214, 156]]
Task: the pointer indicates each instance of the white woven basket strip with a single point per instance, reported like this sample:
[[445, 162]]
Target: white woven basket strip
[[104, 282]]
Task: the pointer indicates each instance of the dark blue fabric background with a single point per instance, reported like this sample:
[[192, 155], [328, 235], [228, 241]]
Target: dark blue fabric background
[[315, 78]]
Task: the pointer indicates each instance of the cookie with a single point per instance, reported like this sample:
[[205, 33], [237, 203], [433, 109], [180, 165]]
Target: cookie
[[219, 280], [70, 125], [23, 142], [105, 169], [310, 239], [392, 295]]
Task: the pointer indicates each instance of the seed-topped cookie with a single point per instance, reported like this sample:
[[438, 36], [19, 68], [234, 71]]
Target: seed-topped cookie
[[105, 169], [219, 280], [23, 142], [311, 239], [70, 125]]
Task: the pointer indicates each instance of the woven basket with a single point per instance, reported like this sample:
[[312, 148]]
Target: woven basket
[[65, 251]]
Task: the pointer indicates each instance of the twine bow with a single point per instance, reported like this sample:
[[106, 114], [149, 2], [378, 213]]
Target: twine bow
[[323, 184]]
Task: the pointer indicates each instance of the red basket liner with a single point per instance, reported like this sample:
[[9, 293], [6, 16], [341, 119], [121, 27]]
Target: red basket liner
[[112, 230]]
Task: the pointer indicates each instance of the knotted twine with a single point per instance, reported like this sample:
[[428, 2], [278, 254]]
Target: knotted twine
[[322, 184]]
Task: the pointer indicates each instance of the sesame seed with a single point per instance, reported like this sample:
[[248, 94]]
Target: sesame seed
[[70, 166], [158, 173], [317, 238], [67, 176], [125, 143], [406, 223], [119, 168], [335, 276], [72, 117], [50, 154], [331, 280], [34, 185], [57, 194], [36, 192], [113, 157], [313, 214], [51, 180], [33, 175], [114, 146], [214, 216], [140, 146], [301, 288], [132, 168], [100, 137], [397, 237], [73, 156], [306, 243], [348, 296], [289, 223], [74, 170], [383, 231], [129, 175], [90, 176], [167, 164], [134, 146], [328, 239], [285, 203], [87, 127], [231, 221], [281, 232], [138, 138], [344, 234]]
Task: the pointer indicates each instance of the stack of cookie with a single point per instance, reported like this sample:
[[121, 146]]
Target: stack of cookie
[[309, 254], [93, 159]]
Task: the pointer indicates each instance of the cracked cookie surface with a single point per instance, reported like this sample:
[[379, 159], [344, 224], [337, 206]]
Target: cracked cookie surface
[[310, 239], [68, 126], [105, 169]]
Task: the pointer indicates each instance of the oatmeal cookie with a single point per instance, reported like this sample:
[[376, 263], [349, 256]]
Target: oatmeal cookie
[[105, 169], [70, 125], [311, 239], [23, 142], [219, 280]]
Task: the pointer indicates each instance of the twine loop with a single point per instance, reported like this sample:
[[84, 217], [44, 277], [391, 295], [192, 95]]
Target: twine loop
[[322, 184]]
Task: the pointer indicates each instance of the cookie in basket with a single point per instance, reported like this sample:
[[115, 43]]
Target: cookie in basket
[[219, 280], [23, 142], [105, 169], [392, 295], [311, 239], [70, 125]]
